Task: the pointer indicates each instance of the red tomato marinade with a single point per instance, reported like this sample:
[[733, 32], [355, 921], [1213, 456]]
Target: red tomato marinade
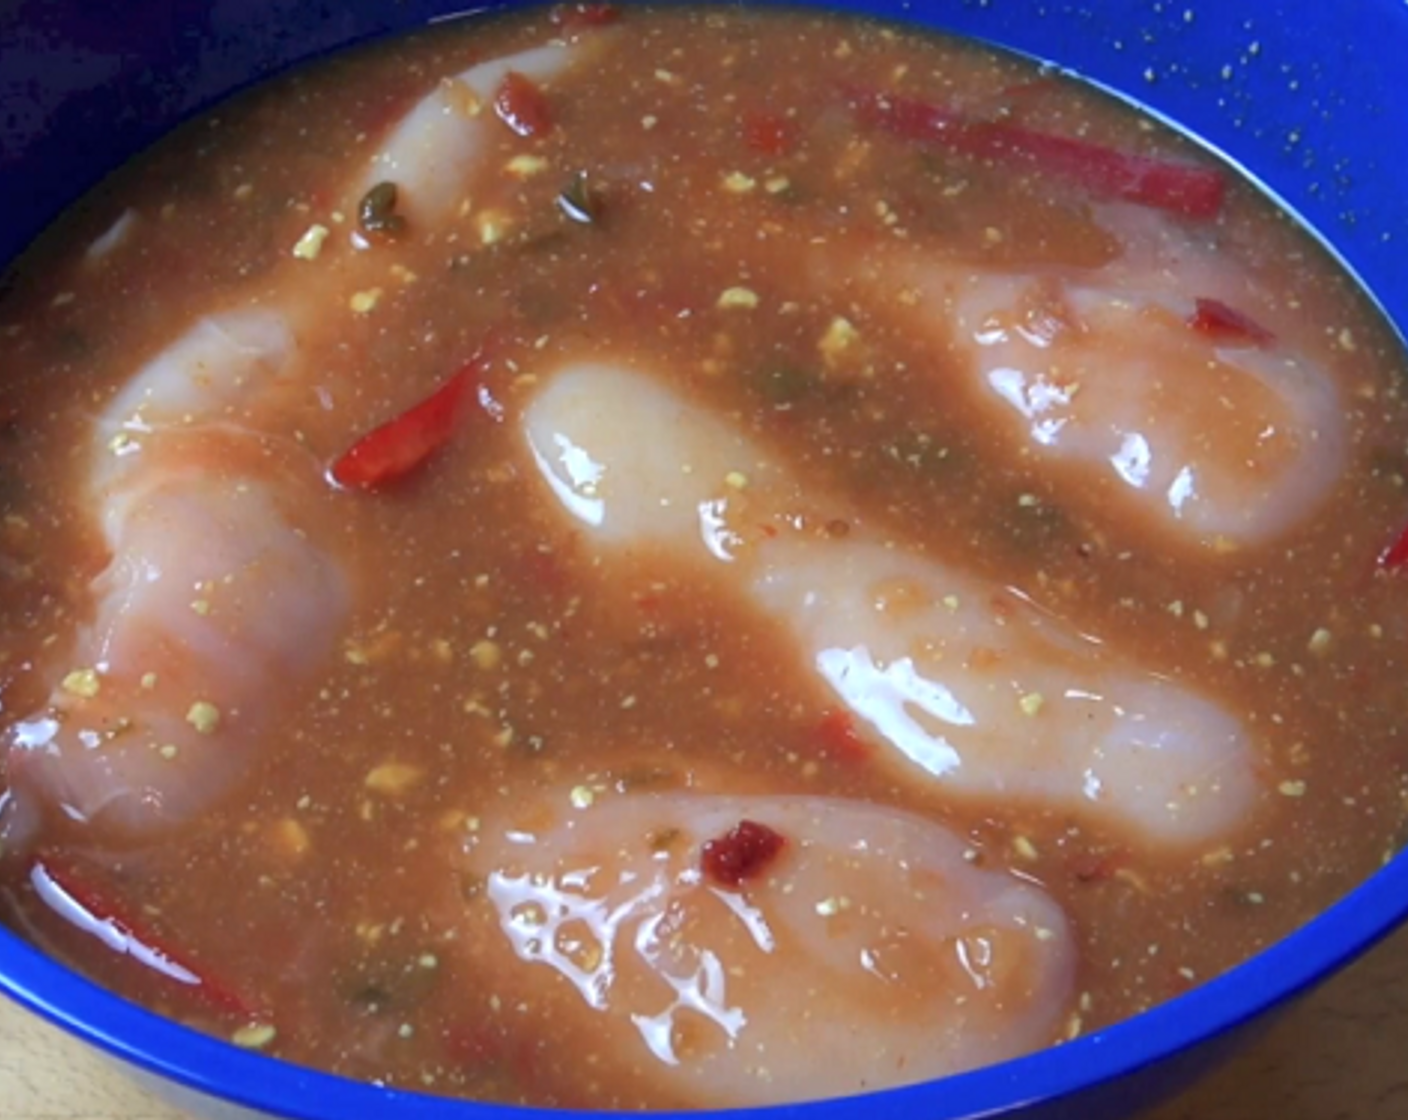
[[631, 558]]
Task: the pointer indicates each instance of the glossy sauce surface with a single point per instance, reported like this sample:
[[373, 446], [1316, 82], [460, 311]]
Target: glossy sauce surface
[[875, 476]]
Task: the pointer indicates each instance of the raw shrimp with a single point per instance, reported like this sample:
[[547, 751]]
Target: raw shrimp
[[215, 593], [865, 952], [1226, 440], [216, 590], [431, 155], [965, 684], [1231, 443]]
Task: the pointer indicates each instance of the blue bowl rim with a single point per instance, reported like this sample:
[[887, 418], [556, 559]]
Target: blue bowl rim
[[216, 1068]]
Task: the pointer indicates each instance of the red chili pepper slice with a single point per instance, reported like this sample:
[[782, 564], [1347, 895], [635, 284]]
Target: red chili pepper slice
[[395, 449], [1215, 319], [838, 737], [522, 106], [585, 15], [771, 134], [88, 908], [1396, 555], [1181, 188], [742, 853]]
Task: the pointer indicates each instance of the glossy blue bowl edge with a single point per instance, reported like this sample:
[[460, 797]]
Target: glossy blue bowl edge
[[1343, 185]]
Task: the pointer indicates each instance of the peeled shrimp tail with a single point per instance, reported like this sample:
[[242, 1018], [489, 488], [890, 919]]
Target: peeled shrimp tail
[[215, 599], [950, 676], [212, 601]]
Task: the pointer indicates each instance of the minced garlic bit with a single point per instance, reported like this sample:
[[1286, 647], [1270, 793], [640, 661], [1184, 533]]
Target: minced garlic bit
[[526, 166], [403, 274], [582, 797], [1217, 856], [82, 682], [735, 182], [839, 336], [1031, 703], [1264, 660], [486, 654], [738, 297], [201, 606], [203, 716], [291, 836], [461, 99], [392, 779], [736, 480], [308, 246], [776, 184], [255, 1036], [1024, 848], [830, 907], [362, 302], [1295, 788], [950, 601], [493, 226], [168, 751], [148, 681], [1319, 641]]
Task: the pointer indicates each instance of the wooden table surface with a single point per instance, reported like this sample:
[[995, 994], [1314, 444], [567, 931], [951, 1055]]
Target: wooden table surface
[[1341, 1055]]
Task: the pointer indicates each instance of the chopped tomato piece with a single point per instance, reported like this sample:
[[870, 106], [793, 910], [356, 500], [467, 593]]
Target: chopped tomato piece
[[523, 106], [740, 854]]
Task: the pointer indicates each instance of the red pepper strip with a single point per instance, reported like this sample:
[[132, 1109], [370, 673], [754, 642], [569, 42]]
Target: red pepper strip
[[769, 133], [522, 105], [389, 453], [585, 15], [1181, 188], [87, 908], [1215, 319], [1396, 555]]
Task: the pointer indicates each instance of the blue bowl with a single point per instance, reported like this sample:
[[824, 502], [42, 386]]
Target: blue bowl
[[85, 86]]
